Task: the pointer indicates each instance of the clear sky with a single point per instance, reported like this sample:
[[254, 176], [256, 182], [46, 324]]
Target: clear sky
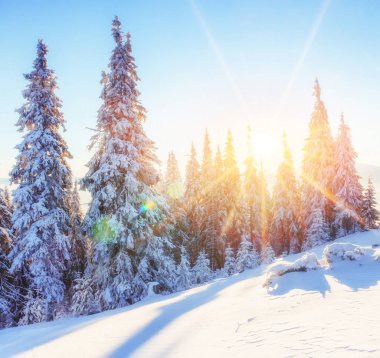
[[213, 64]]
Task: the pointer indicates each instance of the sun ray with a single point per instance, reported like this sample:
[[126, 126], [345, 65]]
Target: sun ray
[[219, 55], [302, 56]]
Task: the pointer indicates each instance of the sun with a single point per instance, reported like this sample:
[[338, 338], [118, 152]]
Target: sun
[[264, 145]]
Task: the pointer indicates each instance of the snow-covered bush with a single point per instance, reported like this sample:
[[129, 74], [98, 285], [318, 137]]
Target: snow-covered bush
[[307, 262], [342, 251]]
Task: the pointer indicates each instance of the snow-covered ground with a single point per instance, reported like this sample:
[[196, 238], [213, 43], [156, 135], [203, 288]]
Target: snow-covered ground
[[328, 311]]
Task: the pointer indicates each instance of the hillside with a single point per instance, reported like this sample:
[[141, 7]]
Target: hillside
[[315, 313]]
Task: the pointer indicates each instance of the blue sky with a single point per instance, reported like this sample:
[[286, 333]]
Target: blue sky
[[213, 64]]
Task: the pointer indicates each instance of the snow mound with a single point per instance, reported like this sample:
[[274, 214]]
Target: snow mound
[[337, 252], [307, 262]]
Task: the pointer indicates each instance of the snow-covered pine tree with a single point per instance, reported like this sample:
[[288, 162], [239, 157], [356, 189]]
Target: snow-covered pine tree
[[125, 212], [173, 182], [219, 211], [265, 209], [370, 215], [184, 271], [317, 232], [231, 191], [8, 291], [201, 270], [83, 300], [285, 228], [251, 196], [192, 205], [229, 261], [208, 239], [318, 167], [79, 245], [347, 188], [41, 221], [247, 256], [267, 254], [156, 265]]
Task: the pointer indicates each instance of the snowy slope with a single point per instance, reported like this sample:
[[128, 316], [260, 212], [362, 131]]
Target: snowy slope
[[332, 312]]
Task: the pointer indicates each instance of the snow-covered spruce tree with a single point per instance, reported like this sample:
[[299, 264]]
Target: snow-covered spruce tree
[[251, 196], [156, 265], [83, 301], [317, 232], [201, 270], [209, 219], [265, 209], [192, 205], [267, 255], [126, 216], [79, 245], [173, 182], [218, 209], [8, 291], [171, 187], [318, 167], [370, 215], [184, 271], [247, 256], [285, 228], [41, 220], [348, 190], [231, 191], [229, 261]]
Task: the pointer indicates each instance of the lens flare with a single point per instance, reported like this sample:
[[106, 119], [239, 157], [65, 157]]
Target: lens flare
[[149, 205], [103, 230]]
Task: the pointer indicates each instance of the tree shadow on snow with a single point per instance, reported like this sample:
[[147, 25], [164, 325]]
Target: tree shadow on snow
[[356, 276], [311, 281], [31, 336], [34, 335], [173, 311]]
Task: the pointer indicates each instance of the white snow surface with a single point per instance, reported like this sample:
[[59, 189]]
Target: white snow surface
[[330, 311]]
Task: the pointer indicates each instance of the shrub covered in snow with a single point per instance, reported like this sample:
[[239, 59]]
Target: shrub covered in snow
[[342, 251], [307, 262]]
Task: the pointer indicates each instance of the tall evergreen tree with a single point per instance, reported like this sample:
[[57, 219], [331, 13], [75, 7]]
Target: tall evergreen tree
[[218, 211], [317, 232], [265, 209], [285, 227], [370, 214], [192, 204], [126, 216], [209, 219], [231, 189], [79, 245], [41, 221], [346, 185], [9, 294], [318, 167], [184, 271], [251, 195], [173, 182]]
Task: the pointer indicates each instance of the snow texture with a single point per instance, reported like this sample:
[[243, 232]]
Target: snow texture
[[311, 314]]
